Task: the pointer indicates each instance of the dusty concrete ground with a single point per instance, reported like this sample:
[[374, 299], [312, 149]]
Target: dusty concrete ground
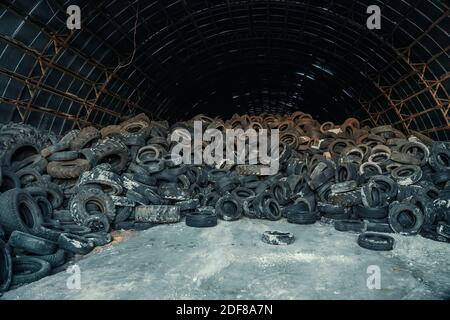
[[230, 262]]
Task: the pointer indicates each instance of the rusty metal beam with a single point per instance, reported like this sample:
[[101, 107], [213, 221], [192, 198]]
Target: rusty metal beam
[[51, 34], [49, 111], [30, 82], [44, 61]]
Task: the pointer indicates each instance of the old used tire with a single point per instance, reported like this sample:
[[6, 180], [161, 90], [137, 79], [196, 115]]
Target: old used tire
[[123, 213], [205, 219], [379, 227], [347, 199], [90, 195], [86, 136], [5, 267], [440, 157], [109, 150], [97, 223], [443, 229], [349, 225], [272, 210], [29, 269], [63, 156], [228, 208], [31, 244], [68, 169], [48, 189], [376, 242], [277, 238], [371, 213], [9, 180], [99, 238], [302, 218], [405, 218], [63, 216], [75, 244], [157, 214], [56, 259], [75, 229], [407, 175], [20, 212], [45, 206]]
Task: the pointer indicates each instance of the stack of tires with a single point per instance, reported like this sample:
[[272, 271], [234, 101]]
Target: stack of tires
[[63, 197]]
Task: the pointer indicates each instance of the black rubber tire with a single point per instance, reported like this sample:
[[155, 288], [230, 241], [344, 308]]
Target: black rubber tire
[[20, 212], [63, 216], [64, 156], [425, 205], [123, 213], [79, 200], [86, 136], [440, 177], [226, 184], [343, 187], [407, 175], [272, 210], [203, 219], [48, 189], [415, 218], [136, 197], [75, 244], [76, 229], [187, 205], [347, 199], [371, 213], [281, 192], [157, 214], [56, 259], [443, 229], [124, 225], [327, 208], [350, 226], [98, 223], [376, 242], [109, 150], [10, 180], [45, 206], [211, 199], [373, 196], [243, 193], [29, 269], [440, 157], [173, 192], [379, 227], [31, 244], [5, 267], [305, 218], [431, 233], [346, 171], [228, 208], [28, 176], [388, 186], [277, 238], [99, 239]]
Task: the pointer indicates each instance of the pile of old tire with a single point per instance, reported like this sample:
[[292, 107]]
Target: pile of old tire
[[62, 197], [34, 240]]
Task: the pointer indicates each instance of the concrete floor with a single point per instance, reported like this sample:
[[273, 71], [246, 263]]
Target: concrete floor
[[230, 262]]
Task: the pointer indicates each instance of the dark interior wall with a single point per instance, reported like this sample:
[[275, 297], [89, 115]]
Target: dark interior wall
[[175, 58]]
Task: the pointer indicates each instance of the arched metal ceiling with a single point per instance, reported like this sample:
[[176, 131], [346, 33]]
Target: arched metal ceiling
[[176, 58]]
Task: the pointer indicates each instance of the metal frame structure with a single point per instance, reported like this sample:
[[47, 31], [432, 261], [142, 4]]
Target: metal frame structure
[[226, 56]]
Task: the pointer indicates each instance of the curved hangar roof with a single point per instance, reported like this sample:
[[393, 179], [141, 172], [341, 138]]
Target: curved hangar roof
[[176, 58]]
